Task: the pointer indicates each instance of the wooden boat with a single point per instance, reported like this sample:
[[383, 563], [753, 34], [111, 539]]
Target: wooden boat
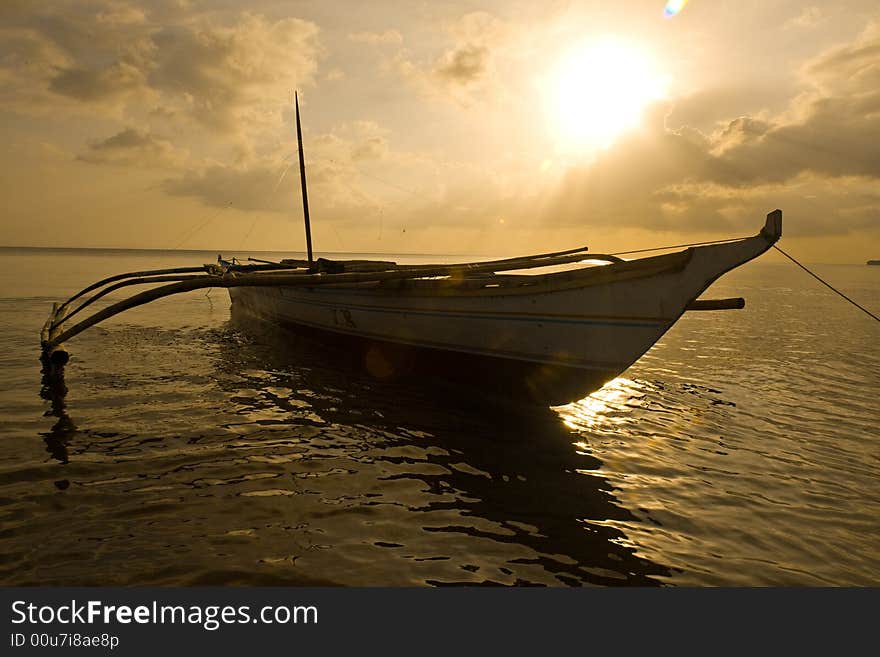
[[550, 336], [555, 335]]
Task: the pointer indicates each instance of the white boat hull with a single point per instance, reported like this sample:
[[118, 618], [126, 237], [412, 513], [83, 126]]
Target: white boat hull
[[540, 328], [588, 326]]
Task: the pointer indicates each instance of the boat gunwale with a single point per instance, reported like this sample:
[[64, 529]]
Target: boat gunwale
[[510, 284]]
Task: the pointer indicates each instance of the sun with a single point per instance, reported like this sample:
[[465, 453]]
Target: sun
[[599, 89]]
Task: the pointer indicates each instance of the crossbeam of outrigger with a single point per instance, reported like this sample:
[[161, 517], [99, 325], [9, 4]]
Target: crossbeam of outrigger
[[296, 273], [285, 273]]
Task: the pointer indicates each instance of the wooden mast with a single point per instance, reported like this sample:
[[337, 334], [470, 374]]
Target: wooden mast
[[302, 178]]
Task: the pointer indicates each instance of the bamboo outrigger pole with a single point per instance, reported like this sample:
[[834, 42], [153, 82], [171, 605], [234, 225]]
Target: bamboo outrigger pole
[[52, 339], [54, 334], [302, 179]]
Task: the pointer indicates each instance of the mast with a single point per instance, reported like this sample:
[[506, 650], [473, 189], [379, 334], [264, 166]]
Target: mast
[[302, 178]]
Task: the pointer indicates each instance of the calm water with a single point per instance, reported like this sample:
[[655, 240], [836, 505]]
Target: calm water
[[743, 449]]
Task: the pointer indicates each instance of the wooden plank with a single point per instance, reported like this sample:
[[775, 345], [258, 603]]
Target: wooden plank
[[735, 303], [173, 270], [116, 286]]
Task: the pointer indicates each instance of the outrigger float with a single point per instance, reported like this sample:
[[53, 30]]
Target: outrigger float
[[553, 336]]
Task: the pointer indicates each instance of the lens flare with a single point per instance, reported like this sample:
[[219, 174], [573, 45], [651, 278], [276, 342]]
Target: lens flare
[[674, 7]]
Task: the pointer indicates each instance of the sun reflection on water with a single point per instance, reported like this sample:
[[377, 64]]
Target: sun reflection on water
[[603, 407]]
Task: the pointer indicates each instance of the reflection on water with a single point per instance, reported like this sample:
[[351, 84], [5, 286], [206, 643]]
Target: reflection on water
[[742, 449], [501, 497], [54, 390], [603, 406], [314, 472]]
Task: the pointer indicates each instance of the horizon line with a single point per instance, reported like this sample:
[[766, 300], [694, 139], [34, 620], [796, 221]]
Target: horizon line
[[259, 251], [219, 251]]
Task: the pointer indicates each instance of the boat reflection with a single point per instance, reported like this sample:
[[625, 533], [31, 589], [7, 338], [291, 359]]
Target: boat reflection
[[471, 474], [54, 390]]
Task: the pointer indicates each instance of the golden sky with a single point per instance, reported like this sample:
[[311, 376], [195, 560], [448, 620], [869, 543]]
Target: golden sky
[[440, 127]]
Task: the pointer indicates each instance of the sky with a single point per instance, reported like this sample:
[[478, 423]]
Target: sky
[[455, 127]]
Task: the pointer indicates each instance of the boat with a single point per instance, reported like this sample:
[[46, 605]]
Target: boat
[[873, 262], [549, 327]]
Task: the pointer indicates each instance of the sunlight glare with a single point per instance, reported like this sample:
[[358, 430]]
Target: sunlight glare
[[674, 7], [602, 407], [600, 89]]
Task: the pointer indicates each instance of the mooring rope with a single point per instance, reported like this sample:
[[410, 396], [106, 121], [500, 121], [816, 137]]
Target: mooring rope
[[678, 246], [814, 275], [828, 285]]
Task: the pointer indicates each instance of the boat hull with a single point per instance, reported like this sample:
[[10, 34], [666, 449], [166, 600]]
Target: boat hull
[[531, 328], [556, 339], [495, 380], [525, 346]]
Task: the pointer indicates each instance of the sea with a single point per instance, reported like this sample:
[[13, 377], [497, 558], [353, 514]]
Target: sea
[[185, 447]]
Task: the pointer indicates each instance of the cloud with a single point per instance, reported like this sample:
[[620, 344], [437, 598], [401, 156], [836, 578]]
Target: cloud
[[120, 13], [814, 205], [477, 36], [268, 183], [96, 85], [250, 187], [132, 147], [816, 159], [851, 68], [365, 140], [464, 65], [373, 148], [388, 37], [229, 73], [824, 130], [463, 69], [222, 75], [809, 18]]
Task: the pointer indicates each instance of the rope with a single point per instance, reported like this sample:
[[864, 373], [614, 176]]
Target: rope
[[828, 285], [677, 246], [197, 227]]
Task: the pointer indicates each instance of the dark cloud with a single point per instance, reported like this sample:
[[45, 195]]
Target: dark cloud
[[829, 128], [831, 140], [464, 65], [218, 71], [373, 148], [463, 69], [95, 85], [711, 107], [253, 187], [132, 147]]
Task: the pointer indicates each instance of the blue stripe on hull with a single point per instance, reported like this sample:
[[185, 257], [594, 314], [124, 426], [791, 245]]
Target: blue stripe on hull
[[275, 314], [500, 316]]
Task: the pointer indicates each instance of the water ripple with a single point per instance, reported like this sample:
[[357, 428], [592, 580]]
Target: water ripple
[[185, 448]]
